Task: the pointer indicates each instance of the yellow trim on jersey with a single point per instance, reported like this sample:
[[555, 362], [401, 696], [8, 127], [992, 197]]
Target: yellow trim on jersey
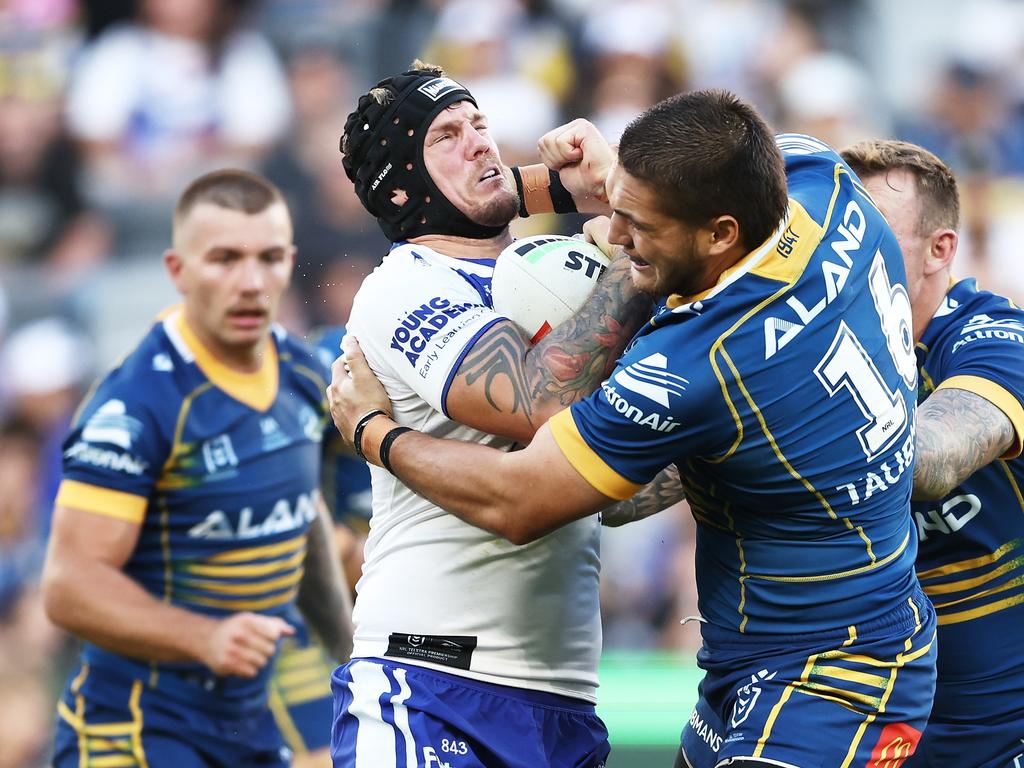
[[318, 689], [985, 610], [256, 553], [257, 390], [246, 569], [102, 501], [1001, 399], [1015, 584], [243, 605], [285, 723], [113, 761], [850, 675], [966, 565], [1013, 483], [248, 588], [775, 267], [841, 696], [583, 459], [841, 574], [949, 587], [312, 672]]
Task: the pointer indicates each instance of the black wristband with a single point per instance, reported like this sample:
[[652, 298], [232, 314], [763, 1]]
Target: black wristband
[[518, 177], [560, 197], [357, 435], [385, 446]]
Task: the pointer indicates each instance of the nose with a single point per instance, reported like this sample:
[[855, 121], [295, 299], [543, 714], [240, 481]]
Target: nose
[[618, 234], [476, 143], [252, 278]]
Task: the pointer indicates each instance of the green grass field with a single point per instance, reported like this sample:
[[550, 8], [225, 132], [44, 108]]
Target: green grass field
[[644, 699]]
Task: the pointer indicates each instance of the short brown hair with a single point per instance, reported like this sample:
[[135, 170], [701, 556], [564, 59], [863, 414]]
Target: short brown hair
[[709, 154], [936, 185], [230, 188]]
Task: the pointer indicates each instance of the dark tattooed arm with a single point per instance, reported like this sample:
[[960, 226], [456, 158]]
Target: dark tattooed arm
[[661, 493], [507, 387], [324, 597], [958, 433]]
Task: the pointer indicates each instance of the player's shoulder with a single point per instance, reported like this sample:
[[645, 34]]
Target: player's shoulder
[[968, 315], [302, 359]]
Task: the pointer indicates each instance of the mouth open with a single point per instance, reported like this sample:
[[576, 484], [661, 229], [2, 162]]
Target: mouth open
[[491, 173], [247, 317]]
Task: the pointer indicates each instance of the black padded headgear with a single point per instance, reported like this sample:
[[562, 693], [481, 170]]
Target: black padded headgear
[[384, 144]]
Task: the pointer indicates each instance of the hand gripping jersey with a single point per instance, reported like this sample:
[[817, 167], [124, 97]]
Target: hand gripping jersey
[[971, 559], [435, 591], [785, 395], [221, 470]]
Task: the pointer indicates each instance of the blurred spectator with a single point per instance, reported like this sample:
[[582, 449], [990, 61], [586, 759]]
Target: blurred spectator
[[43, 220], [632, 60], [43, 369], [477, 44], [25, 720], [338, 241], [155, 101], [22, 536], [827, 95]]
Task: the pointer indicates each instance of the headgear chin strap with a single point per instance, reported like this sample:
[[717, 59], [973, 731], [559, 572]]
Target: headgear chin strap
[[384, 145]]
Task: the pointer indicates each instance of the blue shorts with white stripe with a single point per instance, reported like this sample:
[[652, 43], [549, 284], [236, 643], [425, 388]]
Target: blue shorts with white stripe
[[402, 716]]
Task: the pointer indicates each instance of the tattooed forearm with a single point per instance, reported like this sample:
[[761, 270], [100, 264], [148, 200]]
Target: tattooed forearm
[[572, 360], [323, 594], [958, 433], [661, 493]]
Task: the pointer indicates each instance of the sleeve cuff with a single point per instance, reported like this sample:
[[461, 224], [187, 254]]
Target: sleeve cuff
[[583, 459], [1001, 399], [102, 501]]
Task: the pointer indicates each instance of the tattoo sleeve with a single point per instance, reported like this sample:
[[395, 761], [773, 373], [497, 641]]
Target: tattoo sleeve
[[323, 594], [571, 361], [534, 382], [661, 493], [958, 433]]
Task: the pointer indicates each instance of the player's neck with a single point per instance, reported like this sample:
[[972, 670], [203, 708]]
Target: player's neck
[[932, 293], [247, 358], [465, 247]]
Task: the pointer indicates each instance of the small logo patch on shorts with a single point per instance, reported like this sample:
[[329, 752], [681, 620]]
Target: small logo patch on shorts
[[897, 742], [447, 650]]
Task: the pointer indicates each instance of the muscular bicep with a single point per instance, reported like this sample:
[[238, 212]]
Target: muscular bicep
[[78, 535], [491, 390], [958, 433]]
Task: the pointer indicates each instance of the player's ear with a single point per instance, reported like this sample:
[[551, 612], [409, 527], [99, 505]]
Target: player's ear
[[723, 233], [173, 263], [942, 246]]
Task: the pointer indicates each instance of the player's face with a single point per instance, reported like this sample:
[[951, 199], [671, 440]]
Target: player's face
[[232, 269], [895, 194], [462, 160], [662, 250]]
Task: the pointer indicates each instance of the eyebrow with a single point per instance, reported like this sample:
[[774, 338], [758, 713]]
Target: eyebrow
[[451, 122]]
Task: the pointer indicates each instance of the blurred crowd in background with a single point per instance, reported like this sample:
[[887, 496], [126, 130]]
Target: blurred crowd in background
[[109, 107]]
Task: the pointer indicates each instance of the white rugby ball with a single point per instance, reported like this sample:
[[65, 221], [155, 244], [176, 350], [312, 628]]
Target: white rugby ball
[[541, 281]]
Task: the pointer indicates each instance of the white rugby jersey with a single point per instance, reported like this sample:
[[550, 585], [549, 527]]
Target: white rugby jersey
[[435, 591]]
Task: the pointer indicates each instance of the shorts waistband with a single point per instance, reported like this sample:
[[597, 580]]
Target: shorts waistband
[[525, 695]]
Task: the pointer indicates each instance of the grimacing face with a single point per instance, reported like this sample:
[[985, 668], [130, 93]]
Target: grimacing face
[[232, 269], [662, 250], [463, 161], [895, 194]]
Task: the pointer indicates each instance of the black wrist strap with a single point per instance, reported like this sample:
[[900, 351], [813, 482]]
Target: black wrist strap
[[357, 435], [385, 446], [560, 197], [518, 176]]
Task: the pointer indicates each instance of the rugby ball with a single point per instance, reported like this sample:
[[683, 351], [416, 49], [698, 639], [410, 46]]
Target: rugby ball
[[541, 281]]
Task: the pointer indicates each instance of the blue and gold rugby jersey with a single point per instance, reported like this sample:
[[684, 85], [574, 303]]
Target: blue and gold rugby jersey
[[785, 396], [220, 469], [971, 559]]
